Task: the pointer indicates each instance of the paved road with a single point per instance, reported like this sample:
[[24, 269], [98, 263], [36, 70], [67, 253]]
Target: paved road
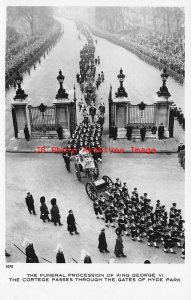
[[142, 81], [161, 178]]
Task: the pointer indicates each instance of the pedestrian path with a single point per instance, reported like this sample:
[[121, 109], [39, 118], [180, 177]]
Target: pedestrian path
[[137, 146], [32, 146]]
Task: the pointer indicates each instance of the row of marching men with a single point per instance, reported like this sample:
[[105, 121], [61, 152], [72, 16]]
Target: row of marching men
[[93, 111], [136, 217]]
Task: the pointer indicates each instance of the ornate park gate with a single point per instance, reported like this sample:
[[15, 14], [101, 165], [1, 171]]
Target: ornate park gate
[[138, 117], [42, 118]]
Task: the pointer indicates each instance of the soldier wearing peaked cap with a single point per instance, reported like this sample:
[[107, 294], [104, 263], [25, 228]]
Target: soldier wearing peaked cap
[[168, 243], [30, 203], [71, 223], [97, 209]]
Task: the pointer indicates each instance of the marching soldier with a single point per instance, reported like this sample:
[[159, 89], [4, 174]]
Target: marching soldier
[[30, 203], [108, 217], [97, 209], [151, 237], [117, 183], [71, 223], [134, 232], [168, 244], [122, 223]]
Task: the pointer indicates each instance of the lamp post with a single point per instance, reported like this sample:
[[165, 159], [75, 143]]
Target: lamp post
[[61, 92], [121, 77], [20, 93], [163, 89], [121, 90]]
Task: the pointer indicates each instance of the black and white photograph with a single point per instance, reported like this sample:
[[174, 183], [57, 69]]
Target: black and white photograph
[[95, 135]]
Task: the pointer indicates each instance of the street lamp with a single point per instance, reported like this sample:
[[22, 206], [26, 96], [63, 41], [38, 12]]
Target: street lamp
[[164, 76], [60, 78], [18, 80], [61, 92], [20, 93], [121, 90], [163, 89], [121, 77]]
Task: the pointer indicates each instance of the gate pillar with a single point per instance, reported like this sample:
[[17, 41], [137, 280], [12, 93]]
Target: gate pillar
[[63, 112], [20, 115], [163, 113], [20, 112], [163, 104]]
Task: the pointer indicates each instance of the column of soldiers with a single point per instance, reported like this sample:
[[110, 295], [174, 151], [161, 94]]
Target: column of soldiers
[[89, 136], [134, 216]]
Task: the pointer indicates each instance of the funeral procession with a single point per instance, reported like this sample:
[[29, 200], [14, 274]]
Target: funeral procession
[[95, 135]]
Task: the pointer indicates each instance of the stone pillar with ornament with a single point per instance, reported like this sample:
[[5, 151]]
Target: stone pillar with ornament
[[65, 109], [163, 107], [121, 103], [19, 110]]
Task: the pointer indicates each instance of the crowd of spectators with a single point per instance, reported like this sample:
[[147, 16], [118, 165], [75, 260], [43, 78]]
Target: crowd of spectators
[[160, 50], [24, 52], [157, 49]]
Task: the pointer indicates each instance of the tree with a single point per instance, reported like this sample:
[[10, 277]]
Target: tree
[[36, 16]]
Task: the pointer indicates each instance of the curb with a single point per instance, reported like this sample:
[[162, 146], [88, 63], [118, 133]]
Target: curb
[[125, 151]]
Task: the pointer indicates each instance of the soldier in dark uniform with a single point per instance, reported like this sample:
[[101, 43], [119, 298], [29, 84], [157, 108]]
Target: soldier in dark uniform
[[161, 131], [119, 246], [55, 215], [168, 243], [44, 210], [92, 112], [151, 236], [143, 133], [102, 246], [97, 209], [30, 203], [108, 217], [26, 132], [87, 259], [117, 183], [129, 131], [59, 131], [31, 256], [67, 156], [71, 223], [114, 132], [98, 60], [60, 255]]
